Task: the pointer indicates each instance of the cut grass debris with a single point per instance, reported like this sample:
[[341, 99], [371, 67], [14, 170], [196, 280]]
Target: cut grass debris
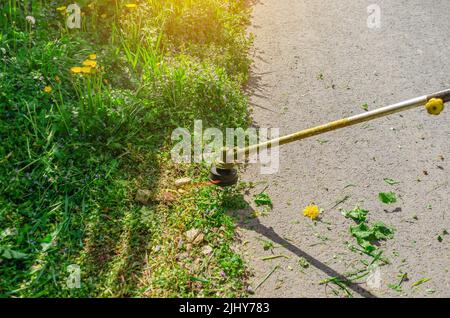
[[365, 106], [267, 277], [403, 277], [303, 263], [342, 284], [263, 199], [390, 181], [338, 202], [420, 282], [440, 237], [365, 234], [268, 258], [268, 245]]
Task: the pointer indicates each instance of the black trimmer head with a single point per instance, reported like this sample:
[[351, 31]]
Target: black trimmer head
[[223, 177]]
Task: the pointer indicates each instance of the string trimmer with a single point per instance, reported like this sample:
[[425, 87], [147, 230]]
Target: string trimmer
[[224, 172]]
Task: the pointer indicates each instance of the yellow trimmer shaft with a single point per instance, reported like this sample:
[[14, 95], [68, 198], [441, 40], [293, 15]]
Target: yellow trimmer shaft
[[224, 173]]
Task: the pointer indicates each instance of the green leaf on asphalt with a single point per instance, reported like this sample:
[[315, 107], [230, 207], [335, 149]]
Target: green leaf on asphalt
[[263, 199], [366, 245], [366, 235], [361, 231], [387, 197], [382, 232], [357, 214]]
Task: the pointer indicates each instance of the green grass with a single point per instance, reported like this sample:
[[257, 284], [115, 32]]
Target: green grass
[[72, 160]]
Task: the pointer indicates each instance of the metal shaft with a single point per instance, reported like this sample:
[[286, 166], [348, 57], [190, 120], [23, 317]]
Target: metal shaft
[[341, 123]]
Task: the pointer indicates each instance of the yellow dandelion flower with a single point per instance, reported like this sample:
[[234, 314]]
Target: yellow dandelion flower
[[92, 56], [47, 89], [91, 5], [76, 69], [311, 211], [86, 70], [90, 63], [131, 5], [60, 9]]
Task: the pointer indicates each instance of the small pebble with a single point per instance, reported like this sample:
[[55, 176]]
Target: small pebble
[[183, 181]]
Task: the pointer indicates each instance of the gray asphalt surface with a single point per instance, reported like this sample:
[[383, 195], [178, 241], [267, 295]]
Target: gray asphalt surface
[[317, 61]]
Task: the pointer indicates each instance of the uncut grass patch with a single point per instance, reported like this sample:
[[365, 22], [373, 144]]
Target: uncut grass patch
[[75, 148]]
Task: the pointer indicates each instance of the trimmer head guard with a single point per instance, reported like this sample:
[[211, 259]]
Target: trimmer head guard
[[223, 177]]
